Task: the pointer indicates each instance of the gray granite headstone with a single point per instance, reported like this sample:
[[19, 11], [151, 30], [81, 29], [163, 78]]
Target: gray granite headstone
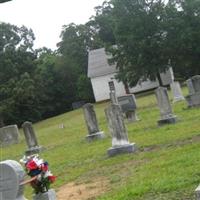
[[49, 195], [120, 143], [128, 107], [193, 99], [9, 135], [176, 91], [91, 122], [164, 105], [11, 175], [31, 140]]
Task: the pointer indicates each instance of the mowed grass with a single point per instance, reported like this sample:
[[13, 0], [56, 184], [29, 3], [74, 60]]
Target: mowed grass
[[165, 167]]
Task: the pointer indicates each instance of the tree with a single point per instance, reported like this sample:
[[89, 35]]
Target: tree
[[18, 94], [140, 39], [76, 40], [3, 1]]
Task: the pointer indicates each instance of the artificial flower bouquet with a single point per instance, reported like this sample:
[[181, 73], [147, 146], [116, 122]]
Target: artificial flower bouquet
[[38, 170]]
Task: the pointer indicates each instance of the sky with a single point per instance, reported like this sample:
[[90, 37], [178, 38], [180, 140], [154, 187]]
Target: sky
[[46, 17]]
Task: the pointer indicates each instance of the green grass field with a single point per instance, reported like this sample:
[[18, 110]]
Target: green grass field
[[166, 166]]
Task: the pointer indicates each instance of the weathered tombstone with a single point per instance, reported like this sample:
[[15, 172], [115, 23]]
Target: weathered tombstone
[[31, 139], [120, 143], [193, 99], [77, 104], [176, 91], [164, 105], [128, 107], [197, 193], [113, 97], [9, 135], [91, 122], [49, 195], [11, 175]]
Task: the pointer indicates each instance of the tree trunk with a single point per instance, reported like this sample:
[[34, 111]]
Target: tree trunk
[[159, 79], [126, 88]]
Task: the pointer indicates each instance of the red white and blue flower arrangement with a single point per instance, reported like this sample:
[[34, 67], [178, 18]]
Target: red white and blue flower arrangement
[[38, 170]]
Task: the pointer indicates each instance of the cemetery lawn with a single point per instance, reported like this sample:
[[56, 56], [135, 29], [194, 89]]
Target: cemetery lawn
[[166, 166]]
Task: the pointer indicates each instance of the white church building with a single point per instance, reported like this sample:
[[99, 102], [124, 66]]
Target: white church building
[[101, 74]]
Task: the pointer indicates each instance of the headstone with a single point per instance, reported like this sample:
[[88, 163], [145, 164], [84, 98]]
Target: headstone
[[49, 195], [128, 107], [193, 99], [164, 105], [11, 175], [190, 86], [77, 104], [197, 193], [91, 122], [31, 140], [9, 135], [113, 97], [120, 143], [176, 91]]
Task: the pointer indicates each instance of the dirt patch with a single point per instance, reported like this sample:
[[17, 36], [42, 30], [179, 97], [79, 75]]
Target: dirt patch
[[86, 191]]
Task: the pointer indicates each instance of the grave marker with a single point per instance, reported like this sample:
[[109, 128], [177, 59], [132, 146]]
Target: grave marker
[[128, 107], [31, 139], [11, 175], [193, 99], [164, 105], [120, 143], [9, 135], [176, 91], [91, 122]]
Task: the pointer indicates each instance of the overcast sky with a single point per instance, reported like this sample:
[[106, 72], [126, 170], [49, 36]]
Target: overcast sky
[[46, 17]]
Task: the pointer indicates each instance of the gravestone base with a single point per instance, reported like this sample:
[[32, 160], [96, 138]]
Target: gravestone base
[[197, 193], [34, 150], [131, 117], [193, 100], [170, 120], [95, 136], [180, 98], [50, 195], [129, 148]]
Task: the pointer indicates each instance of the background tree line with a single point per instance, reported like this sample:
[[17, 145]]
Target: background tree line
[[142, 35]]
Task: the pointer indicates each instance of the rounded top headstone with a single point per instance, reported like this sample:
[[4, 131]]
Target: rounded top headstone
[[11, 174]]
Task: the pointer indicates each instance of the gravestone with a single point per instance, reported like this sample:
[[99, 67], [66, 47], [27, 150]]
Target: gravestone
[[128, 107], [91, 122], [193, 99], [120, 143], [197, 193], [176, 91], [113, 97], [77, 104], [11, 175], [31, 140], [9, 135], [164, 105], [49, 195]]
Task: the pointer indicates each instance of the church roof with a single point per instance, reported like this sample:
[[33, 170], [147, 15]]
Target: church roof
[[98, 63]]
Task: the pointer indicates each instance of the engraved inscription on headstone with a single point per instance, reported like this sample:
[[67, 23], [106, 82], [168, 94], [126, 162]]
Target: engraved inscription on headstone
[[11, 175], [111, 86], [9, 135]]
